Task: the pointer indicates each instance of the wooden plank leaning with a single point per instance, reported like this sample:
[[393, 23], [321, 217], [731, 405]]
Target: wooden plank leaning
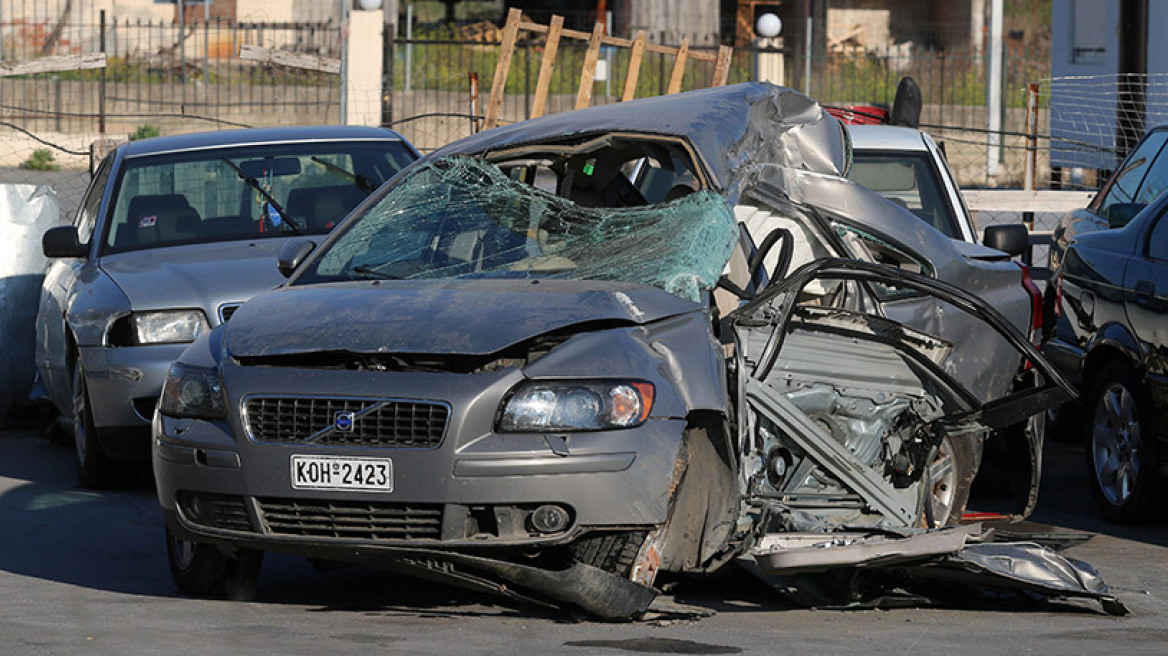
[[503, 67], [289, 59], [678, 67], [635, 55], [588, 74], [52, 64], [722, 66], [546, 66]]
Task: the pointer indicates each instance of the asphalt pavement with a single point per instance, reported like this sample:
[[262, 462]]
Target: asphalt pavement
[[84, 572]]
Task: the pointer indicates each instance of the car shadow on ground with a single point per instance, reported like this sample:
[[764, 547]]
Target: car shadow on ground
[[56, 531], [112, 541], [1065, 500]]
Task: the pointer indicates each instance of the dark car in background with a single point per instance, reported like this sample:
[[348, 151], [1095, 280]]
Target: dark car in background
[[172, 235], [1138, 181], [1111, 338]]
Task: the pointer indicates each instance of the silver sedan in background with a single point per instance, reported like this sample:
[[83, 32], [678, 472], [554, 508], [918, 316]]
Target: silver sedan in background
[[172, 235]]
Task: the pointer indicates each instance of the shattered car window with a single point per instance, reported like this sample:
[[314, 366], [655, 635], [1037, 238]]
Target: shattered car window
[[464, 218]]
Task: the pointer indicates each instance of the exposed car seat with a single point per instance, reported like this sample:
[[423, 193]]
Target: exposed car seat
[[737, 271], [318, 209]]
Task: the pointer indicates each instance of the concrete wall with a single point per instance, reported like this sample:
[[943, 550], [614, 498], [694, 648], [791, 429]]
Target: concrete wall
[[698, 19], [268, 11], [364, 68]]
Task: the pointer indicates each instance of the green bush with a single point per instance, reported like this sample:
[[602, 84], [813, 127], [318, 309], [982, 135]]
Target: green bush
[[40, 160], [145, 131]]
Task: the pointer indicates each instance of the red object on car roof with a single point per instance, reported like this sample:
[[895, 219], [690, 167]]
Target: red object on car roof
[[860, 114]]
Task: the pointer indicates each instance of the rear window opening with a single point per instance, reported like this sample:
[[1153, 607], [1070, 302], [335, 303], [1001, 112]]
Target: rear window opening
[[608, 171]]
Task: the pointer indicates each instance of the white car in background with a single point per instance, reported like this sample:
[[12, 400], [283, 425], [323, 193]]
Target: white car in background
[[907, 167]]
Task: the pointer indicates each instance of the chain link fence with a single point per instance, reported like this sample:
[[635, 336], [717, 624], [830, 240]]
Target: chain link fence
[[169, 75]]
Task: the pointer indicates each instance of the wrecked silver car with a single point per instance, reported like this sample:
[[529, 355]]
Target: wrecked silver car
[[551, 361]]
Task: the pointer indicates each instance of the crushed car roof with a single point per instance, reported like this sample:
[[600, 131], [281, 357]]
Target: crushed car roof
[[731, 127]]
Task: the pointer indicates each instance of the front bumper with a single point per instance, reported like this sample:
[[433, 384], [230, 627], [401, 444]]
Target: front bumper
[[124, 384], [476, 489], [119, 377]]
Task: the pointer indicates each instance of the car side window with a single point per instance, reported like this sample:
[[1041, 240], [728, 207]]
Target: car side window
[[1158, 239], [91, 204], [1126, 183], [1156, 180]]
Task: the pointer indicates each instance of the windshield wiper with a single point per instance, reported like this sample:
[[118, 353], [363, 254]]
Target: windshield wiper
[[372, 272], [361, 182], [254, 184]]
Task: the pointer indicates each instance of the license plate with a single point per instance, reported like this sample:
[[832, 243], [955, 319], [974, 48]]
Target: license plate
[[340, 473]]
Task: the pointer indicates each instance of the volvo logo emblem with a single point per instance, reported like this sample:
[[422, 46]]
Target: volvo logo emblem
[[343, 420]]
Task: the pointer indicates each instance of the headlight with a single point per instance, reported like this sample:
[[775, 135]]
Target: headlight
[[540, 406], [168, 327], [192, 392]]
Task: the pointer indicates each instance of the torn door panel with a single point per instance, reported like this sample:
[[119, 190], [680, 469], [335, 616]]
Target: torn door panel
[[851, 420]]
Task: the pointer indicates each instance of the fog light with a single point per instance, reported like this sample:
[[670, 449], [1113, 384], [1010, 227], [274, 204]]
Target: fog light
[[549, 519], [191, 505]]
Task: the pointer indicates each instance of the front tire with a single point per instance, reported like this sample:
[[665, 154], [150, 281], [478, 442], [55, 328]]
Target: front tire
[[1121, 448], [947, 482], [203, 570], [95, 469]]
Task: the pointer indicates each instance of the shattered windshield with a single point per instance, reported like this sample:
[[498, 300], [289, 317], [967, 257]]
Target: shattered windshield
[[464, 218]]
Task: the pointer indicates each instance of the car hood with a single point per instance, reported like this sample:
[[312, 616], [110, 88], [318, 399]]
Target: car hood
[[197, 275], [472, 317]]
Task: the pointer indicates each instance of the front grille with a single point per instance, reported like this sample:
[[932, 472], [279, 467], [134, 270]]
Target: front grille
[[215, 510], [373, 423], [351, 519]]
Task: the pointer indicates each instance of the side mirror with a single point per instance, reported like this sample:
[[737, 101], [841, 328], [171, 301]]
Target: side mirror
[[1120, 214], [1012, 239], [292, 254], [62, 241]]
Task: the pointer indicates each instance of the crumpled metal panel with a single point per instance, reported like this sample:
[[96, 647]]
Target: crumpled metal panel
[[933, 567], [26, 211], [782, 128], [789, 553], [1029, 565]]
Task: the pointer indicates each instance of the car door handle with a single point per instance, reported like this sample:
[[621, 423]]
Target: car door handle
[[1145, 289]]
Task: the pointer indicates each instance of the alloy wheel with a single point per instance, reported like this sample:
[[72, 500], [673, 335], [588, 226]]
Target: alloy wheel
[[1115, 443]]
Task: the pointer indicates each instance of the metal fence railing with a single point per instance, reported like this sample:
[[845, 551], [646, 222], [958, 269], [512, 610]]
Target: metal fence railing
[[169, 76]]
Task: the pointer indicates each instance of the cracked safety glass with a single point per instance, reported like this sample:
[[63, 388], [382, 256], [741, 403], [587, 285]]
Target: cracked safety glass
[[464, 218]]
